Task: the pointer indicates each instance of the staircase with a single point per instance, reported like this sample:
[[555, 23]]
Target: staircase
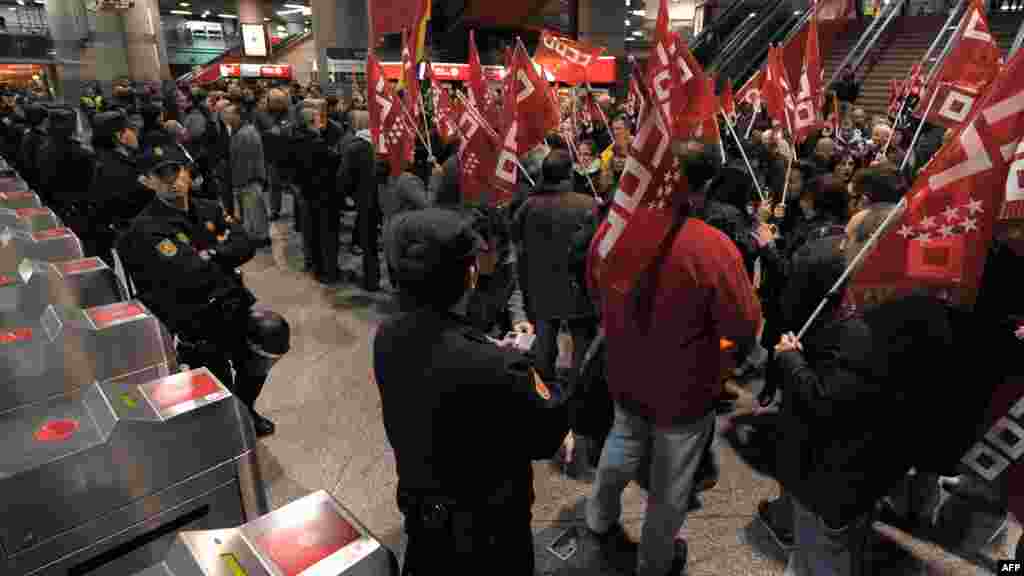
[[899, 48], [843, 46]]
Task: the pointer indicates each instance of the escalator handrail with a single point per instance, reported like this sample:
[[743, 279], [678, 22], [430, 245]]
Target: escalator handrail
[[1017, 41], [755, 63], [894, 8], [739, 39], [958, 12], [717, 23], [787, 31], [868, 33]]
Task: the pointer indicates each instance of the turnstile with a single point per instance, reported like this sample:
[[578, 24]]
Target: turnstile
[[53, 245], [83, 283], [68, 348], [312, 536], [29, 219], [98, 482], [10, 181], [17, 200]]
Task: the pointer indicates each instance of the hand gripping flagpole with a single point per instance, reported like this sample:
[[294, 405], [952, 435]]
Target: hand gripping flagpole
[[889, 218], [745, 160], [892, 134], [483, 122], [920, 126]]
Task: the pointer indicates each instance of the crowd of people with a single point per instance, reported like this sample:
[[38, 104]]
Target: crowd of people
[[501, 306]]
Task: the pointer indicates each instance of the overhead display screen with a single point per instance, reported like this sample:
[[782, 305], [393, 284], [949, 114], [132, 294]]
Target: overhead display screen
[[254, 40]]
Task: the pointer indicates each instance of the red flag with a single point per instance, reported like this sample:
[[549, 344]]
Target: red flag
[[729, 101], [750, 92], [942, 238], [528, 113], [775, 90], [806, 115], [409, 82], [967, 71], [696, 95], [477, 85], [444, 114], [895, 91], [556, 53], [642, 211], [663, 76], [393, 136], [488, 171]]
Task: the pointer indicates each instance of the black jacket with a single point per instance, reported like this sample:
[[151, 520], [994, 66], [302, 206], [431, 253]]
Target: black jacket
[[116, 191], [543, 228], [167, 254], [357, 173], [63, 168], [439, 381]]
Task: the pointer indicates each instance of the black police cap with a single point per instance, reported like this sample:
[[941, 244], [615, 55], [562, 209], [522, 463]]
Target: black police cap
[[107, 125], [164, 153], [422, 243]]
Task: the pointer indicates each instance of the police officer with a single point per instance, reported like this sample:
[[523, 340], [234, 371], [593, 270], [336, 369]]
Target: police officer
[[181, 254], [440, 379], [64, 164]]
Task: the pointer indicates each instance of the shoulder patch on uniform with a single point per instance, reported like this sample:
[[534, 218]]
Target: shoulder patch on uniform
[[158, 151], [182, 238], [167, 248], [540, 387], [211, 226]]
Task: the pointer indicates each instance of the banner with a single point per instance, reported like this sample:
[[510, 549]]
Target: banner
[[557, 53]]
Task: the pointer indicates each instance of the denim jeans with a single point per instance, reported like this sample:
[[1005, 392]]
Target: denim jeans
[[824, 551], [674, 459]]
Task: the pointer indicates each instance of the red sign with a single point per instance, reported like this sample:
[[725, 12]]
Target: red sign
[[180, 388], [106, 316], [7, 280], [80, 266], [51, 234], [296, 548], [602, 71], [16, 195], [56, 430], [16, 335], [30, 212]]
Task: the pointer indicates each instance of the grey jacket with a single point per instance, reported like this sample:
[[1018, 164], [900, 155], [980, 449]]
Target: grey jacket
[[402, 194], [247, 160]]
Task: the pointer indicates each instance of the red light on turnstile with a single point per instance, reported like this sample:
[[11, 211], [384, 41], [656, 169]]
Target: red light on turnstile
[[30, 212], [79, 266], [6, 280], [16, 195], [16, 335], [56, 430], [180, 388], [109, 315], [51, 233], [296, 548]]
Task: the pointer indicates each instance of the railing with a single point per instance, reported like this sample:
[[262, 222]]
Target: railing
[[706, 45], [26, 46], [1017, 41], [949, 32], [757, 28], [749, 61]]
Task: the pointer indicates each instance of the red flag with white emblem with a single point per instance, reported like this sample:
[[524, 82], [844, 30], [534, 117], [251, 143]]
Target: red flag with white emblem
[[641, 214], [775, 90], [806, 115], [479, 95], [488, 173], [556, 52], [942, 237], [729, 101], [409, 82], [966, 73], [393, 136], [528, 112]]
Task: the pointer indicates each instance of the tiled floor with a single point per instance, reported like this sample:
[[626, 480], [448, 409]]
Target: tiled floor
[[330, 436]]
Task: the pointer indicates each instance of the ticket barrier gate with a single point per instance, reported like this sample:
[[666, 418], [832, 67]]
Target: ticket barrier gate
[[312, 536], [29, 219], [18, 200], [69, 348], [84, 283], [10, 181], [98, 481], [53, 245]]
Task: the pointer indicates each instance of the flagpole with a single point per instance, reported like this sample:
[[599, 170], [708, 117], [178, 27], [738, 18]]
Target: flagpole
[[920, 126], [753, 118], [604, 118], [834, 291], [892, 134], [718, 136], [746, 161], [412, 122], [426, 127], [785, 187]]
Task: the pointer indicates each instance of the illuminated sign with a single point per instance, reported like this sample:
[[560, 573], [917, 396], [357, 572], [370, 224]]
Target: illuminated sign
[[82, 266], [51, 234], [110, 315], [254, 40]]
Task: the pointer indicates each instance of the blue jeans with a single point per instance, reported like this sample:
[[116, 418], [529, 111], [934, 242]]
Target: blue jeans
[[675, 455], [824, 551]]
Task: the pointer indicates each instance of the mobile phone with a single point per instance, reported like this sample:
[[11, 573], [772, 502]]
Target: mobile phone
[[564, 546]]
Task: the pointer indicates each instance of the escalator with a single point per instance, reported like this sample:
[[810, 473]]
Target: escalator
[[706, 46], [748, 49]]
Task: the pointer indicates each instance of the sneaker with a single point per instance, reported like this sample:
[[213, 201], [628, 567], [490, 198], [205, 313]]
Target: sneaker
[[777, 516]]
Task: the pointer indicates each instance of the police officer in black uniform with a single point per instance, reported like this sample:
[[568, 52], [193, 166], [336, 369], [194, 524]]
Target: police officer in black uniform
[[182, 254], [116, 195], [440, 382]]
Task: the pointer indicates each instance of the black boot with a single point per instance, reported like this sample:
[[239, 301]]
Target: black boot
[[264, 427], [777, 516]]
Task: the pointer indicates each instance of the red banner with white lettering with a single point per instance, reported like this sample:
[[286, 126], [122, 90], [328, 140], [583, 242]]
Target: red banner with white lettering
[[529, 113], [393, 137], [650, 189], [556, 53], [488, 170], [444, 115], [809, 99]]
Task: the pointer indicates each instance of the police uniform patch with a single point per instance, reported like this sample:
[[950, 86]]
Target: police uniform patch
[[158, 151], [540, 387], [182, 238], [221, 238], [167, 248], [211, 227]]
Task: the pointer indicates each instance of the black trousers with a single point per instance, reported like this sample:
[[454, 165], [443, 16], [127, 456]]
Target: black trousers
[[329, 225], [312, 233], [368, 221]]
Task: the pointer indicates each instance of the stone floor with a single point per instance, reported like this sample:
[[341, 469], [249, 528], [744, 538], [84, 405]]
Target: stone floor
[[330, 436]]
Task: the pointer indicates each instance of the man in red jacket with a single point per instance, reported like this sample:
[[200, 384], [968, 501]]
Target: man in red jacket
[[664, 374]]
